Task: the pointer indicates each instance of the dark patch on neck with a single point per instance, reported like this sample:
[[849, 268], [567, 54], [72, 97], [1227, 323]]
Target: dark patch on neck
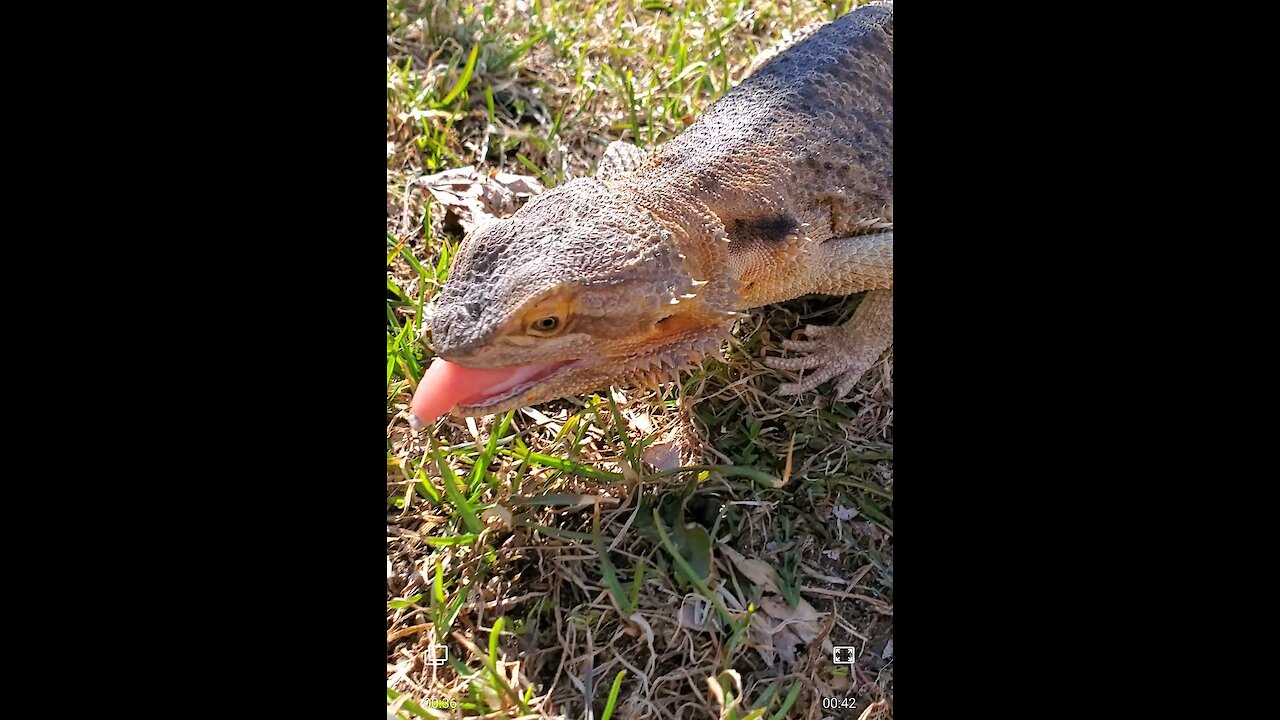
[[767, 229], [708, 184]]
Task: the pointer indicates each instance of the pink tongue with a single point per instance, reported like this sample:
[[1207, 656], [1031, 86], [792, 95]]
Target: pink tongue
[[445, 384]]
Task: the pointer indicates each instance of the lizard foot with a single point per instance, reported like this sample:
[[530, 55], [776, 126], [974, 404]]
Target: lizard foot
[[844, 351]]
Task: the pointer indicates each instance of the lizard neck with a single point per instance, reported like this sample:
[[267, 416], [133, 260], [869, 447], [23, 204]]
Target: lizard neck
[[727, 234], [697, 231]]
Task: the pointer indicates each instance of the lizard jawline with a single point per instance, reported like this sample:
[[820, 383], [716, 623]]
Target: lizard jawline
[[512, 389], [681, 342], [652, 368]]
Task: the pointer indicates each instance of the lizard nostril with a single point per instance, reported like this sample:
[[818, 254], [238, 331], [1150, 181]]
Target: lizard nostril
[[450, 325], [442, 322]]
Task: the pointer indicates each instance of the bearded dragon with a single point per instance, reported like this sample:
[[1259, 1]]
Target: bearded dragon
[[782, 188]]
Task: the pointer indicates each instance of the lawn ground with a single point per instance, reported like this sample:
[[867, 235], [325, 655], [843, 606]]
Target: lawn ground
[[687, 551]]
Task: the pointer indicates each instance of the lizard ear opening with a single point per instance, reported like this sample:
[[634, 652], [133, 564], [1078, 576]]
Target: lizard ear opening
[[677, 325]]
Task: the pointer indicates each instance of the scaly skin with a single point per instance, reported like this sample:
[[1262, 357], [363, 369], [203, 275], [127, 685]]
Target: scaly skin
[[783, 188]]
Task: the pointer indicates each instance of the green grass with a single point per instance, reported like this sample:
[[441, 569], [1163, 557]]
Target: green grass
[[543, 548]]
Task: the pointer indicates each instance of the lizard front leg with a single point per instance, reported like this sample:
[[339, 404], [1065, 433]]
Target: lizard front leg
[[845, 351], [848, 265]]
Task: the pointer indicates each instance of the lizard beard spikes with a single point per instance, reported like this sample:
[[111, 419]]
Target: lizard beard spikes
[[654, 370]]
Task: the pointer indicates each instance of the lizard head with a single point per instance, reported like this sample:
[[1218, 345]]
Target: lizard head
[[580, 289]]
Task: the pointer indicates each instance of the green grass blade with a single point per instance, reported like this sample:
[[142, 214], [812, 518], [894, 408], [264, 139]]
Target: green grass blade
[[517, 53], [874, 490], [396, 247], [493, 641], [410, 258], [488, 103], [568, 466], [464, 79], [689, 573], [547, 182], [426, 488], [479, 470], [395, 290], [606, 568], [491, 663], [621, 428], [636, 584], [466, 511], [790, 700], [437, 585], [401, 603], [874, 513], [766, 697], [409, 705], [726, 470], [450, 540], [613, 695]]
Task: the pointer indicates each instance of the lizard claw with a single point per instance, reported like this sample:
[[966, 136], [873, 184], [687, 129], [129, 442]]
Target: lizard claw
[[836, 356], [806, 346], [840, 351]]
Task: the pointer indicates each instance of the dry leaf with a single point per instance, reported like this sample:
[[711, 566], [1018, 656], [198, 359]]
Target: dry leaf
[[500, 512], [876, 710], [693, 612], [473, 198], [662, 456], [524, 186], [543, 420], [786, 643], [730, 600], [760, 638], [801, 619], [639, 420], [641, 627], [781, 630], [786, 469], [759, 572], [716, 685]]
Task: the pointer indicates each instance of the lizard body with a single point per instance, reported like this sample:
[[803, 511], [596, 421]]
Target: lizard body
[[782, 188]]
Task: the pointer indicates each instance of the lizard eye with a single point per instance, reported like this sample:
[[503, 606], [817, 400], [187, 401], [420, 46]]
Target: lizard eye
[[546, 325]]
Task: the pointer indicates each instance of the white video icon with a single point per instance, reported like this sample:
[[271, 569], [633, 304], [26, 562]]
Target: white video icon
[[437, 654], [843, 654]]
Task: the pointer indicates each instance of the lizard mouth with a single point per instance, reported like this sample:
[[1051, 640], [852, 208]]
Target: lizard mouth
[[522, 379], [447, 386]]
